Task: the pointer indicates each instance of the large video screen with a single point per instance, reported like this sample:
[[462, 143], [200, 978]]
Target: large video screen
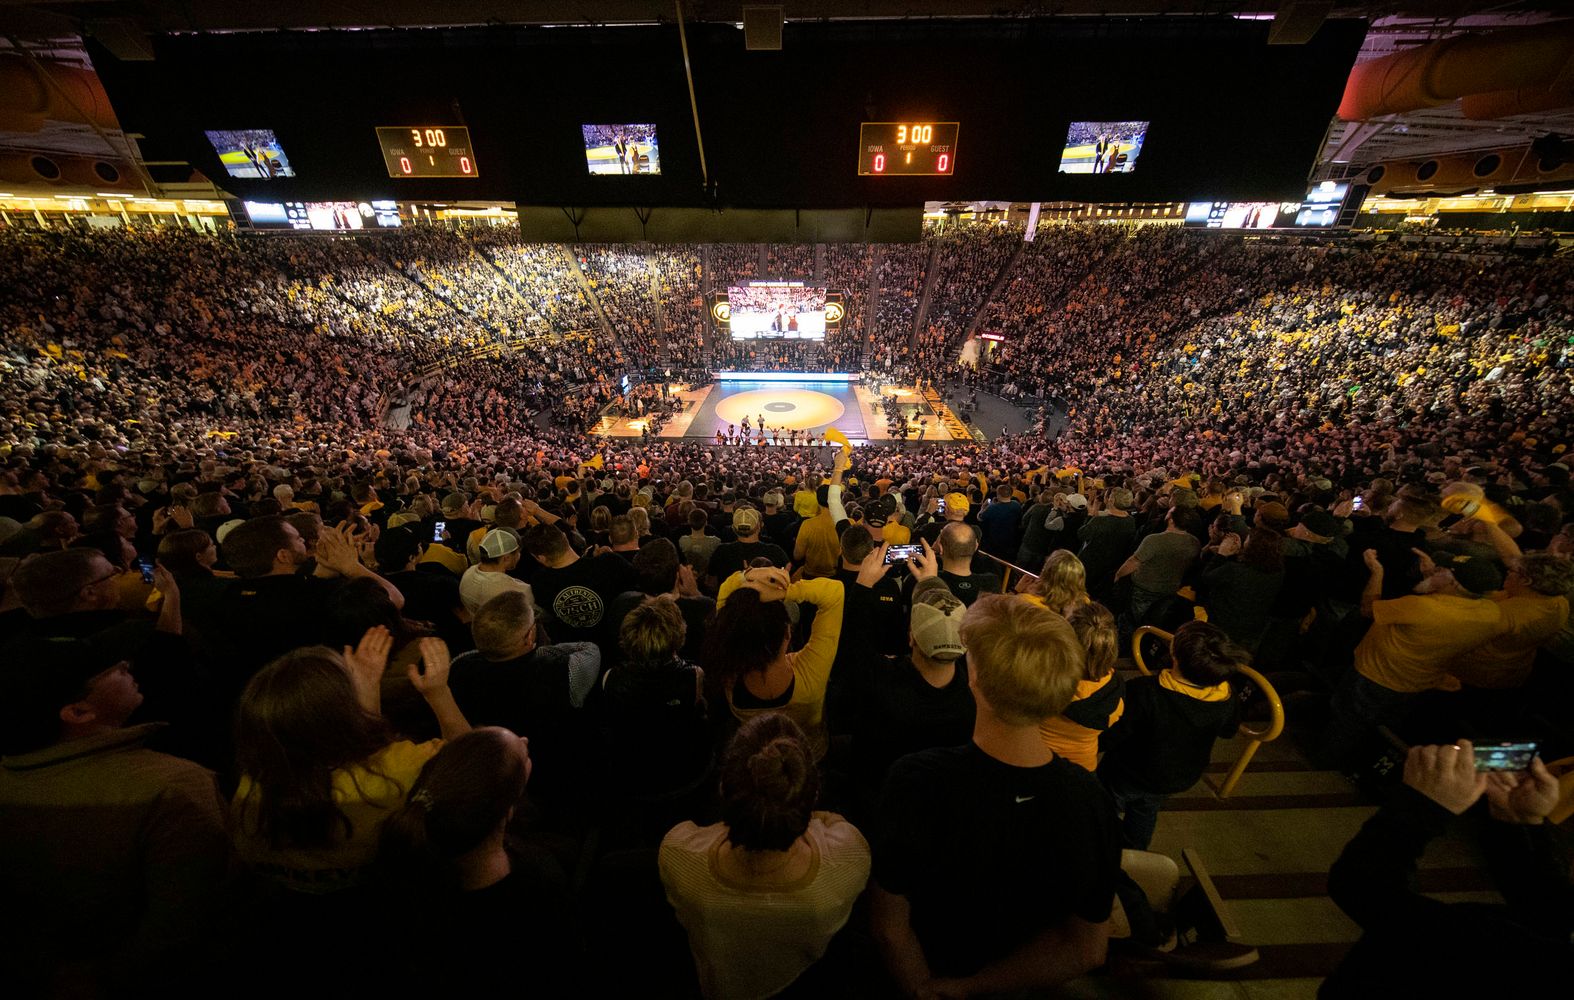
[[1102, 147], [1319, 210], [622, 149], [252, 153], [776, 310], [1322, 205]]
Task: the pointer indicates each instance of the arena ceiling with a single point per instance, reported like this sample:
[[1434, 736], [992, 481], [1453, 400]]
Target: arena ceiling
[[126, 29]]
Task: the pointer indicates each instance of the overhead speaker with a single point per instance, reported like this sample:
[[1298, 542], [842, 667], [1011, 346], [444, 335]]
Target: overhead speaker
[[762, 27], [1427, 170], [1376, 174], [44, 167], [1487, 165]]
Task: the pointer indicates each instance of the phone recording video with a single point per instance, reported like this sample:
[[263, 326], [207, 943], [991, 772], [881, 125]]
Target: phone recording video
[[1506, 756], [146, 566], [940, 505], [438, 530], [902, 553]]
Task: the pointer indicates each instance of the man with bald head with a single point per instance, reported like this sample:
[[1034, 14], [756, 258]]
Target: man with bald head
[[958, 544]]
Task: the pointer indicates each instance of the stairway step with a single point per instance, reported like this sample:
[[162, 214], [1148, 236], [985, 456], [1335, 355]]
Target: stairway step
[[1262, 842], [1290, 885]]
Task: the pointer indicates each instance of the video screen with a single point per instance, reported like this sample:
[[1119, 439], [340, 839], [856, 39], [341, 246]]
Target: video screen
[[621, 149], [1321, 207], [1102, 147], [252, 153], [386, 213], [776, 310], [266, 213]]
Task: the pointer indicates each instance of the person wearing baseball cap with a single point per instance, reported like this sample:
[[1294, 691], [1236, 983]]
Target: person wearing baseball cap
[[957, 507], [90, 819], [918, 701], [730, 557], [499, 551]]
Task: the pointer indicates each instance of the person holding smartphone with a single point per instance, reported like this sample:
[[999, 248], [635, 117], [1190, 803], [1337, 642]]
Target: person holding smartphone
[[1417, 946]]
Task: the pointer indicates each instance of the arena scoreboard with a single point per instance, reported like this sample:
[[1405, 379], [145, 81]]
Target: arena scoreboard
[[906, 149], [427, 151]]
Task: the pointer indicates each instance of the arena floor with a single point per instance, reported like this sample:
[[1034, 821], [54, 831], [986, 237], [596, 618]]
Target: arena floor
[[851, 408]]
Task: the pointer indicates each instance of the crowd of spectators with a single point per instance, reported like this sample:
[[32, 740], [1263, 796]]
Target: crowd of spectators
[[682, 302], [970, 261], [731, 263], [314, 678]]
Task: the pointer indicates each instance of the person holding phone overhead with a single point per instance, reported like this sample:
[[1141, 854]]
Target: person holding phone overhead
[[1414, 945]]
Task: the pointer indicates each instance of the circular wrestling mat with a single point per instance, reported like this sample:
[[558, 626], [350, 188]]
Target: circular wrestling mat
[[795, 409]]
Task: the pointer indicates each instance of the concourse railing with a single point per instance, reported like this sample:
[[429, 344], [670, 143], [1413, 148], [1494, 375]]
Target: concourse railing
[[1256, 732]]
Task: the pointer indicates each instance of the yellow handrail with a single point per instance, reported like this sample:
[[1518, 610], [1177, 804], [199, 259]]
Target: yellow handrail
[[1256, 733]]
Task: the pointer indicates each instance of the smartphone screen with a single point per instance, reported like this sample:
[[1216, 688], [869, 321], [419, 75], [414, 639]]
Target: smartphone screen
[[901, 553], [1357, 503], [1505, 756], [438, 529], [147, 570], [940, 506]]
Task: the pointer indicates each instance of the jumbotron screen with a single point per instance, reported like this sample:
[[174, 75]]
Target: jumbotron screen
[[1102, 147], [776, 310]]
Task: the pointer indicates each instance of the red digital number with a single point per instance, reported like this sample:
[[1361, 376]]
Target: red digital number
[[944, 163], [404, 164], [464, 164], [879, 163]]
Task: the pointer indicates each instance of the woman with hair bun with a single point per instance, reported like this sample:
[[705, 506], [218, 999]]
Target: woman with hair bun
[[762, 893], [447, 850]]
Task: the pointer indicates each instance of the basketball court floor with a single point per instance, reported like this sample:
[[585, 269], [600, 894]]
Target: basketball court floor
[[803, 405]]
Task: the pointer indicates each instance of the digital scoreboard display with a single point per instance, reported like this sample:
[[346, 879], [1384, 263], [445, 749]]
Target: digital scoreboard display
[[427, 151], [906, 149]]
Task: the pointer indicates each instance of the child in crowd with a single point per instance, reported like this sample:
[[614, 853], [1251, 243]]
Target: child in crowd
[[1100, 701], [1165, 740]]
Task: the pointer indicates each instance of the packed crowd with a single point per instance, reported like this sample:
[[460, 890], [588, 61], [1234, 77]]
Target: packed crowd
[[969, 262], [682, 303], [316, 679]]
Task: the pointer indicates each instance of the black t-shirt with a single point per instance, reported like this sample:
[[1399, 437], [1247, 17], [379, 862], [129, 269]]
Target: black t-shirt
[[576, 597], [431, 594], [696, 611], [730, 557], [476, 947], [458, 532], [990, 855], [969, 588], [259, 619], [782, 527], [898, 712]]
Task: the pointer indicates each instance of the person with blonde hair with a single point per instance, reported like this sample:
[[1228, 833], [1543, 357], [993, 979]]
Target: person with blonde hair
[[1062, 584], [1003, 818], [1100, 699]]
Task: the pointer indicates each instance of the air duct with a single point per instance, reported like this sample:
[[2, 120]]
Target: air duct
[[1532, 60]]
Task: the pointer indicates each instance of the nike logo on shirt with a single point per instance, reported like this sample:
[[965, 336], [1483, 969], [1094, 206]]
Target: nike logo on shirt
[[1025, 798]]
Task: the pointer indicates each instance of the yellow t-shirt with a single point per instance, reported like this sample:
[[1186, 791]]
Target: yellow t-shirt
[[367, 794], [896, 533], [445, 557], [1506, 661], [1414, 638]]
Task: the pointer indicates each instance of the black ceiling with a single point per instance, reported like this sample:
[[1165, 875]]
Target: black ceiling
[[1232, 116]]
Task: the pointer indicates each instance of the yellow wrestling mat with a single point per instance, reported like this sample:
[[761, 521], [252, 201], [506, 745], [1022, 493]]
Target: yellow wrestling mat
[[794, 409]]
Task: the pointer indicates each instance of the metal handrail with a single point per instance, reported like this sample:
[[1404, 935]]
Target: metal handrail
[[1256, 733], [1005, 578]]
